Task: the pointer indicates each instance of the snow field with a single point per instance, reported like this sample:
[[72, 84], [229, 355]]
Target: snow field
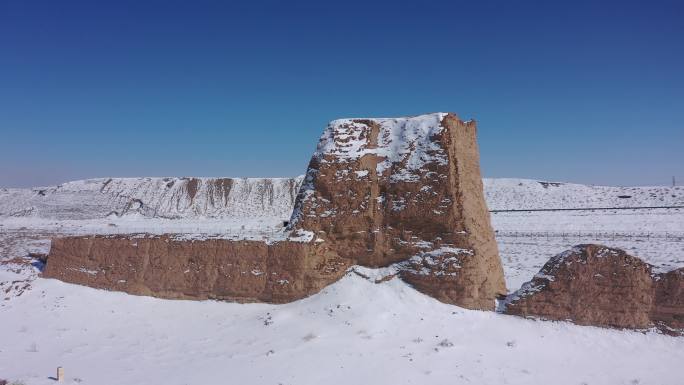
[[352, 332]]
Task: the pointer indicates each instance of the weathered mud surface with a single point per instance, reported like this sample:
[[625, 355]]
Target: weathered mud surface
[[243, 271], [602, 286], [377, 192], [383, 191], [668, 310]]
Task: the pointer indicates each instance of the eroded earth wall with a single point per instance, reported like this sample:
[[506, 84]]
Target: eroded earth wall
[[602, 286], [404, 191], [407, 190], [161, 266]]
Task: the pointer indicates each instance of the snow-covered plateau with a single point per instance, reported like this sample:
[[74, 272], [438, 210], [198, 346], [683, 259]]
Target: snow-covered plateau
[[354, 331]]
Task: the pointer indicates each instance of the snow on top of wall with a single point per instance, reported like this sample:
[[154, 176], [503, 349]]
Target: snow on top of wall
[[408, 139]]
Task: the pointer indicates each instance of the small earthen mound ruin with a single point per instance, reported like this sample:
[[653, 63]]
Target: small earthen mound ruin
[[405, 191], [602, 286]]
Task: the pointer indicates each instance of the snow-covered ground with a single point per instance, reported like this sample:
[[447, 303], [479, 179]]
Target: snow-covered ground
[[524, 254], [510, 193], [354, 331], [528, 239]]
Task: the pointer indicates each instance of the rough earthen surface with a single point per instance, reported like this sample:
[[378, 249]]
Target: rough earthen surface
[[387, 190], [450, 275], [668, 310], [601, 286], [244, 271], [377, 192]]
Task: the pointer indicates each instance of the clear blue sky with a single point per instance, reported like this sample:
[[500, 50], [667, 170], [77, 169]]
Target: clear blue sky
[[590, 92]]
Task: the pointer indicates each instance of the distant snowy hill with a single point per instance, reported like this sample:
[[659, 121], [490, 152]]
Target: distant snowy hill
[[508, 193], [169, 198], [217, 198]]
